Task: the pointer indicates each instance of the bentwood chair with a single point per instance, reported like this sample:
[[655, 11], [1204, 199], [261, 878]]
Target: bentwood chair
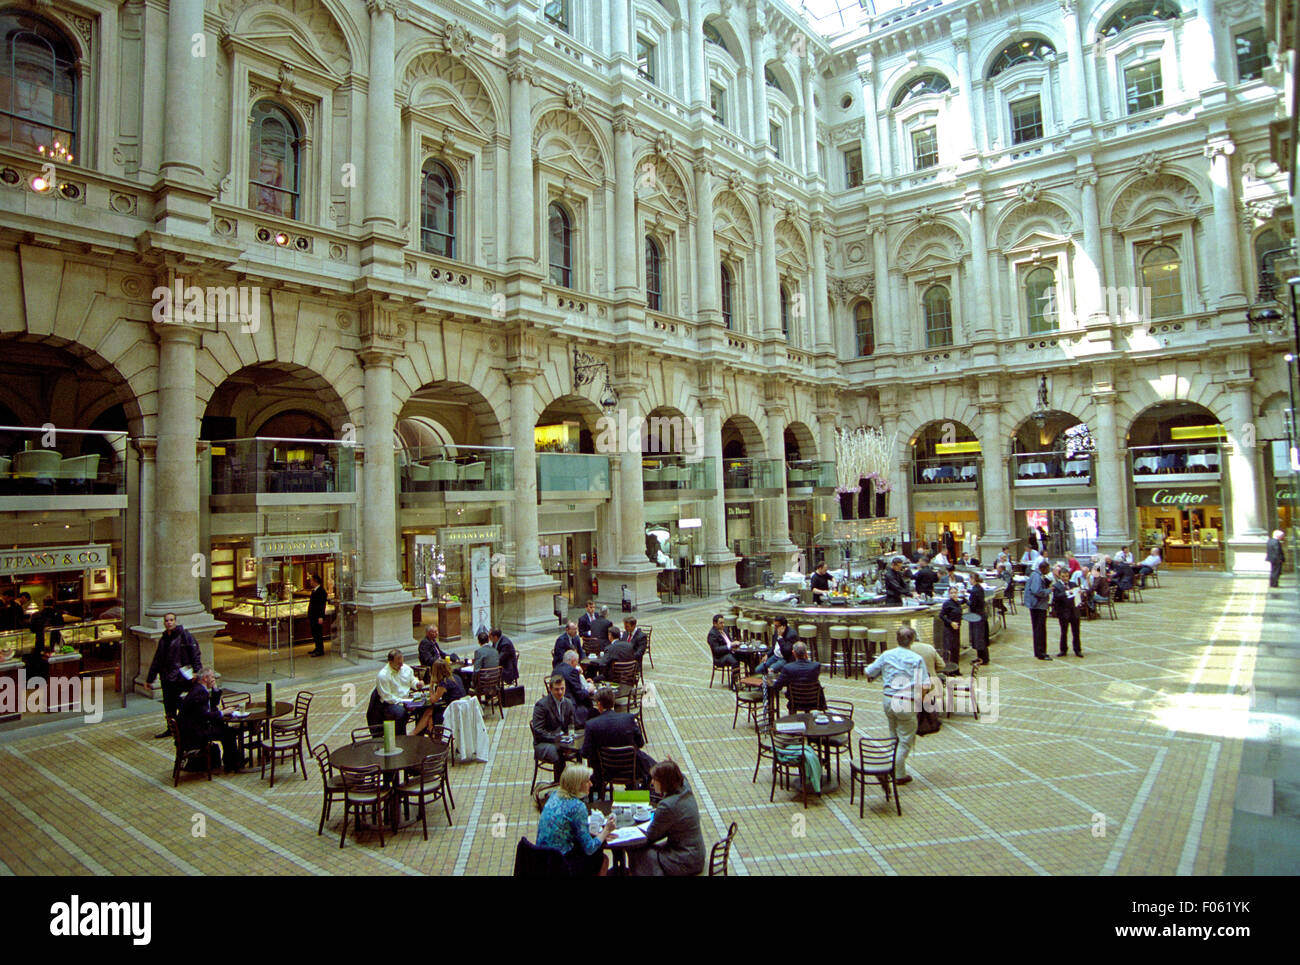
[[720, 855], [803, 695], [649, 636], [763, 731], [876, 756], [788, 760], [285, 744], [617, 766], [362, 734], [184, 757], [301, 706], [331, 785], [623, 672], [965, 686], [843, 744], [443, 735], [429, 785], [363, 790], [751, 698], [487, 687]]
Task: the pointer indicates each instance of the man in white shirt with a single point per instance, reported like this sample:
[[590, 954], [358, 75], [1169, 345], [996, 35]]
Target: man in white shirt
[[1031, 558], [1124, 556], [1149, 566], [906, 683], [940, 562], [394, 683]]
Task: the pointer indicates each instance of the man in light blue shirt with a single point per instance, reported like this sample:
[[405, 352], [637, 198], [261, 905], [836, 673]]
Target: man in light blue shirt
[[906, 684]]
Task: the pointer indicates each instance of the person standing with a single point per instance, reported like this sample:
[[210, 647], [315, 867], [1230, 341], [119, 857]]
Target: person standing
[[895, 582], [1065, 599], [177, 651], [1276, 557], [979, 630], [906, 682], [950, 616], [1036, 596], [316, 614], [949, 544], [821, 585]]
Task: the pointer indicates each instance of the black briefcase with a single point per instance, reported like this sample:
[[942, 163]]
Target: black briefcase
[[512, 696]]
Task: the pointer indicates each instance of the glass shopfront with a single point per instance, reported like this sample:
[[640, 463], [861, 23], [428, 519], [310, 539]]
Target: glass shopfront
[[675, 543], [1186, 520], [457, 572]]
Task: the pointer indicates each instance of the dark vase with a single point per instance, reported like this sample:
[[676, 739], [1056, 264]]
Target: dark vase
[[882, 504], [847, 501]]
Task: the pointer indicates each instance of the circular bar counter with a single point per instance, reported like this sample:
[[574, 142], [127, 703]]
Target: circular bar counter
[[920, 618]]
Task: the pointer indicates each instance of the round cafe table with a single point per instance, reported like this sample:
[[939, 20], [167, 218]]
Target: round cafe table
[[820, 734], [252, 727], [411, 751], [750, 654], [620, 850]]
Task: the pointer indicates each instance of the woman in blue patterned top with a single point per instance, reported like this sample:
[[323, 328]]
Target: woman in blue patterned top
[[563, 825]]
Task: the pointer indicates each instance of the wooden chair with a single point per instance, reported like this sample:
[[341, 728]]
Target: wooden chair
[[633, 707], [183, 757], [751, 698], [429, 785], [301, 705], [649, 635], [331, 784], [842, 744], [592, 646], [1153, 579], [763, 730], [617, 766], [445, 736], [285, 743], [876, 757], [362, 734], [803, 695], [487, 688], [718, 668], [787, 761], [624, 672], [234, 700], [964, 685], [1105, 601], [363, 790], [720, 854]]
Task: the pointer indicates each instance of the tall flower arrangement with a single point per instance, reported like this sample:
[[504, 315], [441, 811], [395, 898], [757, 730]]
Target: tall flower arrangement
[[863, 454]]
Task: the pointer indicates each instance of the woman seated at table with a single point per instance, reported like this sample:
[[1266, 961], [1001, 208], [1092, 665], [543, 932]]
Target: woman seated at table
[[563, 825], [676, 823], [446, 686]]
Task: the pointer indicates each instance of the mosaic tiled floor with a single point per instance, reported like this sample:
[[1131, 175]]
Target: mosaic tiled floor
[[1124, 762]]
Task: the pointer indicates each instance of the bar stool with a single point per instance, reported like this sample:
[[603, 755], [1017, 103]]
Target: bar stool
[[858, 637], [839, 648], [756, 629], [808, 634], [729, 625], [877, 641]]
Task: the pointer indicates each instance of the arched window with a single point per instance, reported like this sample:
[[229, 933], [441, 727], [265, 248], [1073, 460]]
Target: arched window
[[864, 328], [931, 83], [1162, 272], [1266, 241], [772, 80], [438, 210], [560, 231], [556, 13], [38, 86], [273, 161], [785, 312], [1021, 52], [1041, 304], [712, 36], [725, 293], [653, 275], [1135, 14], [938, 316]]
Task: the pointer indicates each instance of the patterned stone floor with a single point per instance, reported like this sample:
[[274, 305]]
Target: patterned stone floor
[[1124, 762]]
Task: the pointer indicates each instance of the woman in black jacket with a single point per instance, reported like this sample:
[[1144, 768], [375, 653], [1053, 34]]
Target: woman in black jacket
[[950, 614], [979, 631]]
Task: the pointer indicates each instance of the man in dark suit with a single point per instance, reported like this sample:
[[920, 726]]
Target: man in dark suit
[[568, 640], [1276, 557], [201, 721], [799, 670], [316, 614], [552, 721], [617, 650], [585, 621], [508, 654], [925, 578], [782, 649], [635, 637], [613, 728], [1067, 614], [949, 544], [722, 645], [601, 624], [950, 617], [576, 687], [1037, 594], [429, 649], [177, 648], [896, 583]]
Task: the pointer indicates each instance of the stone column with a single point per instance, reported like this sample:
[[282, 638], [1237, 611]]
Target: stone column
[[779, 545], [1112, 484], [993, 478], [1247, 542], [873, 166], [964, 134], [1227, 264], [758, 81], [634, 567], [381, 120], [176, 557], [1076, 98], [1087, 260], [979, 261], [183, 124], [1091, 54], [695, 42], [717, 554], [707, 308], [798, 156], [811, 167], [522, 252], [881, 305], [769, 280], [533, 587], [1200, 49], [619, 38], [626, 249], [825, 332]]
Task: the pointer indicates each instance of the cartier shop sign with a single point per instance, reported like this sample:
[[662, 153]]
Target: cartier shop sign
[[52, 559], [1181, 497], [296, 544]]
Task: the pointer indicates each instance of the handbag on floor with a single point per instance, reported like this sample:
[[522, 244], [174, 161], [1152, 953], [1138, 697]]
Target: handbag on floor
[[927, 722], [512, 696]]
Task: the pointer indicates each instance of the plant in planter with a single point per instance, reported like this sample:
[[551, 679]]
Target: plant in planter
[[861, 454]]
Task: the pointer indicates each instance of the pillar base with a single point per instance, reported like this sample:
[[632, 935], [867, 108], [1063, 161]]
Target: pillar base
[[383, 624], [722, 574], [1246, 555], [529, 606], [783, 554], [204, 630], [642, 581]]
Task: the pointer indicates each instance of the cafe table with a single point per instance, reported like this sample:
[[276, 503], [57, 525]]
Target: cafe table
[[251, 727], [820, 734], [750, 654], [621, 848], [411, 750]]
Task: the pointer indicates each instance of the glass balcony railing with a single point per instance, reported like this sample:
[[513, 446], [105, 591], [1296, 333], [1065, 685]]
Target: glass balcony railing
[[944, 471], [572, 472], [1029, 467], [428, 469], [1156, 460], [803, 473], [674, 472], [49, 461], [751, 473], [269, 465]]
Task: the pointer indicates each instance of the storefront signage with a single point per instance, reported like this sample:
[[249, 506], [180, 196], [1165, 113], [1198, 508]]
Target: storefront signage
[[52, 559], [465, 535], [1177, 497], [1286, 494], [690, 523], [296, 544], [738, 512]]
